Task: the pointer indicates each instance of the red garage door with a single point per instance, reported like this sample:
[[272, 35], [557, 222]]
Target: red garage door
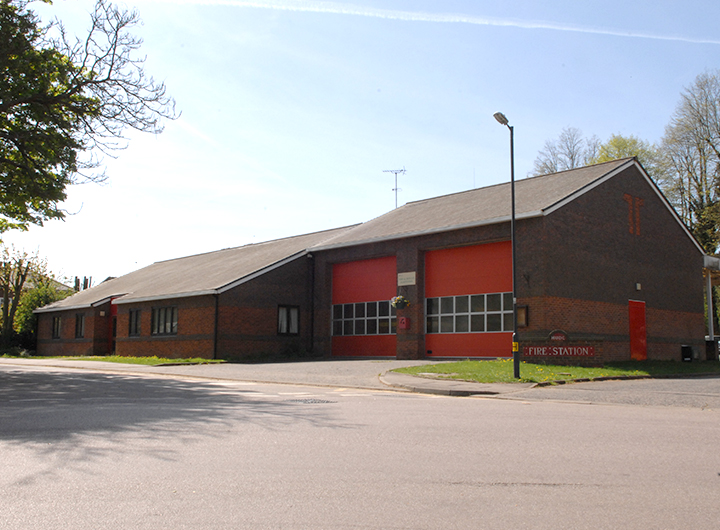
[[468, 306], [363, 321]]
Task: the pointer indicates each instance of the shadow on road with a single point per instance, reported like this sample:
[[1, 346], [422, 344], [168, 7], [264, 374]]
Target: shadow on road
[[53, 407], [52, 423]]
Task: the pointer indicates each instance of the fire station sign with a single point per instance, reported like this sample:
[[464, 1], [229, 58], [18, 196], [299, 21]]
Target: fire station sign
[[406, 278], [559, 351]]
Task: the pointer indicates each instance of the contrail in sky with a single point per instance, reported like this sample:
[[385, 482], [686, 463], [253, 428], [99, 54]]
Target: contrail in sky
[[411, 16]]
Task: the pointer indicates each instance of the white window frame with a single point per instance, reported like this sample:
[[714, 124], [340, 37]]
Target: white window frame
[[364, 318], [476, 313]]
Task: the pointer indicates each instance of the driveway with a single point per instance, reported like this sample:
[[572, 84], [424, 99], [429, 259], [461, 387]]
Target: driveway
[[691, 392]]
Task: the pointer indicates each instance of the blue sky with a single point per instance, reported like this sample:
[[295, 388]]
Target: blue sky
[[291, 110]]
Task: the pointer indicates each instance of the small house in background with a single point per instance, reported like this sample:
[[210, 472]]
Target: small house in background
[[606, 271]]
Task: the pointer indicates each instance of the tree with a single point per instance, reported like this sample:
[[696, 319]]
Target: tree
[[64, 103], [569, 151], [692, 148], [649, 155], [16, 268], [45, 290], [619, 146]]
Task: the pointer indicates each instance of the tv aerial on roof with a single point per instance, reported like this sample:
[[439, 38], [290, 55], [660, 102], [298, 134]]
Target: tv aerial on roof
[[396, 171]]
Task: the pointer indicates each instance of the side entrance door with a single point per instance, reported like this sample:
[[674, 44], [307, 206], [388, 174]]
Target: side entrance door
[[638, 331]]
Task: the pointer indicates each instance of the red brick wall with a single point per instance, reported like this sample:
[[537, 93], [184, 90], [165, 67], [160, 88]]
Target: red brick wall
[[195, 334], [94, 341], [606, 326], [246, 326], [588, 251], [248, 314], [585, 261]]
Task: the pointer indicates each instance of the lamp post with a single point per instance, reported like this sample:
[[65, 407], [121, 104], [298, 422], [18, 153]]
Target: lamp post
[[500, 117]]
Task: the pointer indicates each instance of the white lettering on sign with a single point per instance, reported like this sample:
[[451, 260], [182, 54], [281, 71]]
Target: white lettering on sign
[[406, 278], [558, 351]]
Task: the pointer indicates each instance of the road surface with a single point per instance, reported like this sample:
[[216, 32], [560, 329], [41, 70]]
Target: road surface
[[85, 450]]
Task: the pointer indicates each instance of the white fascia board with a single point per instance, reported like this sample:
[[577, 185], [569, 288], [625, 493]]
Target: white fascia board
[[107, 299], [47, 309], [711, 262], [173, 296], [485, 222], [79, 306], [262, 271]]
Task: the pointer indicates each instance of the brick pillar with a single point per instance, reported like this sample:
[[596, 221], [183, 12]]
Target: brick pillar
[[411, 342]]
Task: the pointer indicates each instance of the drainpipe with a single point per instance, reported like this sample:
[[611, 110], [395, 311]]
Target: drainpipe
[[215, 331], [710, 311], [312, 302]]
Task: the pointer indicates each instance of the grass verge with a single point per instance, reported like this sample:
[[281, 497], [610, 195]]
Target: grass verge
[[501, 371], [151, 361]]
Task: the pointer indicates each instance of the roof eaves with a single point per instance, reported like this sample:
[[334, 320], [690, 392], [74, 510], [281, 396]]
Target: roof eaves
[[52, 307], [171, 296]]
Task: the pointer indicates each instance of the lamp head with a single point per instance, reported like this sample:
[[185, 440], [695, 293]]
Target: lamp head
[[500, 117]]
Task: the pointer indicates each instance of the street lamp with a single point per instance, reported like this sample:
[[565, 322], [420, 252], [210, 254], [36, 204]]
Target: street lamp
[[500, 117]]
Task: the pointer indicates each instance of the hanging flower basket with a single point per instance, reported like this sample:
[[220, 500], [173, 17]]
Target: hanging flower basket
[[399, 302]]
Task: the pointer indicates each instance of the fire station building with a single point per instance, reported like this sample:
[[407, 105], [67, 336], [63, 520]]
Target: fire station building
[[606, 271]]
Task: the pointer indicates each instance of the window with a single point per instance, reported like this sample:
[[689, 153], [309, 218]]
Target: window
[[56, 328], [164, 320], [134, 328], [477, 313], [79, 326], [288, 320], [364, 318]]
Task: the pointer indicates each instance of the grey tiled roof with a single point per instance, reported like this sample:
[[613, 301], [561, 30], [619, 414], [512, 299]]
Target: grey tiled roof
[[195, 275], [482, 206], [215, 271]]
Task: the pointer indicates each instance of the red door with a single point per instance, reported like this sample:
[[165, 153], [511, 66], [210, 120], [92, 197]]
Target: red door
[[638, 331]]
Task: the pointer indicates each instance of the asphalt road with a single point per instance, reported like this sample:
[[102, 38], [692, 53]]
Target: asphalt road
[[87, 450]]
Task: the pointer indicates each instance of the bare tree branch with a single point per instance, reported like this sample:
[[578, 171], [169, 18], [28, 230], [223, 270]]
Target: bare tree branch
[[65, 103]]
